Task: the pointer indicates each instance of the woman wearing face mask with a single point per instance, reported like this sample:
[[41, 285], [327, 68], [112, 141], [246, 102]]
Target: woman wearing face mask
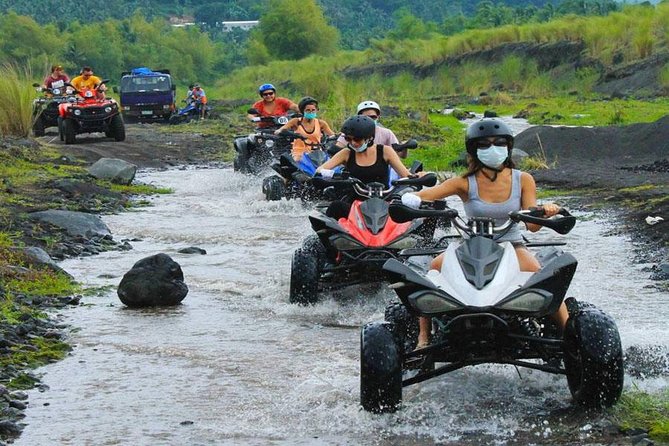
[[308, 126], [363, 159], [491, 187]]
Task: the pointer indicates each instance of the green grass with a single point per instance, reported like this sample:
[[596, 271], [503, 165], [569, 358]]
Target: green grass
[[637, 409], [16, 96]]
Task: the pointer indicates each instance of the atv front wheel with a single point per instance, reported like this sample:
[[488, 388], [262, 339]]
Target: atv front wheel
[[117, 128], [273, 187], [380, 369], [403, 324], [304, 274], [39, 127], [241, 161], [593, 358], [69, 133]]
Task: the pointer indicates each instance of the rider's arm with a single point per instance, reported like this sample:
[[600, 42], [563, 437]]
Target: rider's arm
[[293, 106], [340, 158], [325, 127], [453, 186], [393, 159], [528, 199], [290, 125]]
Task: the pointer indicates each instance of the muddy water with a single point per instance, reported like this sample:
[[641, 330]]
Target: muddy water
[[237, 364]]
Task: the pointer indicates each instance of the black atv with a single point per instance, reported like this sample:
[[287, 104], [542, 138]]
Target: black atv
[[45, 108]]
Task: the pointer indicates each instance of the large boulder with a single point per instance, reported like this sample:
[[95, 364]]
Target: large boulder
[[115, 170], [153, 281], [74, 223]]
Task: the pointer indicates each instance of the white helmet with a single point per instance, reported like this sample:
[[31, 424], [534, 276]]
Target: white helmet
[[364, 105]]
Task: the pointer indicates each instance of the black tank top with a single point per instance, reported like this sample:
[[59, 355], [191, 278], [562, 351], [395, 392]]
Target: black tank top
[[377, 172]]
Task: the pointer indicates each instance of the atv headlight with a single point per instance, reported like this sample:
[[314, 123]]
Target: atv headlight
[[404, 243], [269, 143], [342, 243], [108, 109], [55, 91], [532, 300], [431, 302], [77, 112]]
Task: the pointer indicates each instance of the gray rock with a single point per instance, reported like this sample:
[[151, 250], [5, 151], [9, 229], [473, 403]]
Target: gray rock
[[192, 250], [115, 170], [153, 281], [75, 223], [38, 257]]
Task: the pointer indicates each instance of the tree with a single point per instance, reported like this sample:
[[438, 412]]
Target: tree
[[409, 26], [293, 29]]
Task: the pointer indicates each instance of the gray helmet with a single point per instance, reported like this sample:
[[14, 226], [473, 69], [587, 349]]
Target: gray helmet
[[359, 126], [306, 101], [486, 128]]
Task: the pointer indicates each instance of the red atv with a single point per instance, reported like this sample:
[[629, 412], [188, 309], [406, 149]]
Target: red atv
[[87, 112], [353, 250]]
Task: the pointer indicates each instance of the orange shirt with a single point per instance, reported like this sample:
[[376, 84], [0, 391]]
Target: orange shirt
[[301, 147]]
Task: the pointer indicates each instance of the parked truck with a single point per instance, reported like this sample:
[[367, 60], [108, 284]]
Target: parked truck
[[146, 94]]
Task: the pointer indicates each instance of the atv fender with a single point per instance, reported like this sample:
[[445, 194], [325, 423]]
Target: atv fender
[[241, 145], [598, 334]]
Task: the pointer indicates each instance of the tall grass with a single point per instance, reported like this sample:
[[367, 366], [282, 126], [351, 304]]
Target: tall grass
[[16, 97]]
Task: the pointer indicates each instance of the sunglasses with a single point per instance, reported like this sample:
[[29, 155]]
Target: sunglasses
[[353, 139], [270, 93], [374, 117], [485, 143]]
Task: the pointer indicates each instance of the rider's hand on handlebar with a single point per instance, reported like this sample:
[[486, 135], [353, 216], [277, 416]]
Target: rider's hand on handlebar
[[550, 209], [327, 173], [411, 200]]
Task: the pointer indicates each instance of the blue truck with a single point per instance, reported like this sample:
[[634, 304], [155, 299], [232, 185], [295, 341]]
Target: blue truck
[[147, 94]]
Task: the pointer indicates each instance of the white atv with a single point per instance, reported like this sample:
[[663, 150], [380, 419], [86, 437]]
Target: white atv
[[485, 310]]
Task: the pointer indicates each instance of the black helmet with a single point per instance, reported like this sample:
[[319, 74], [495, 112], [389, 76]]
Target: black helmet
[[486, 128], [306, 101], [359, 126]]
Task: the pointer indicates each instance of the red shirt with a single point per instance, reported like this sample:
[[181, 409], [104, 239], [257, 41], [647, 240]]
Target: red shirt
[[59, 81], [282, 107]]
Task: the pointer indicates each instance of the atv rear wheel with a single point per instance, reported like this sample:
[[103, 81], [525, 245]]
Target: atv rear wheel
[[69, 133], [39, 127], [593, 357], [304, 274], [273, 187], [403, 324], [117, 128], [380, 369]]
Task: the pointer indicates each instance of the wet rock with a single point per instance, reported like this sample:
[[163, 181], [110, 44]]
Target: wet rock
[[75, 223], [192, 250], [115, 170], [16, 404], [9, 428], [153, 281]]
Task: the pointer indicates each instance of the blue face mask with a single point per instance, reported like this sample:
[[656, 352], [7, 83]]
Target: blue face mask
[[494, 156], [360, 149], [310, 115]]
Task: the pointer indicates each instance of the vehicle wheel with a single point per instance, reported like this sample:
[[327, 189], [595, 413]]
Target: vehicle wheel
[[593, 358], [404, 326], [380, 369], [241, 162], [117, 128], [174, 119], [38, 126], [273, 187], [68, 131], [304, 275]]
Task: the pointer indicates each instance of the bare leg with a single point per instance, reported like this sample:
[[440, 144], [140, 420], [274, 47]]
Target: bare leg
[[424, 322], [528, 262]]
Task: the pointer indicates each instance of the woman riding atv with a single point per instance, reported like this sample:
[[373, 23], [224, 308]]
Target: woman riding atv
[[270, 105], [364, 160], [491, 187], [308, 126]]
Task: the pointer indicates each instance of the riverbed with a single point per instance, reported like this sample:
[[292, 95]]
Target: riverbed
[[236, 363]]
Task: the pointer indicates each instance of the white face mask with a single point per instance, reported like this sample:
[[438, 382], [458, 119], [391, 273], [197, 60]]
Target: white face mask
[[493, 156], [360, 149]]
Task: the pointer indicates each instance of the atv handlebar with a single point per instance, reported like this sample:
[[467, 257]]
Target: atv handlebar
[[373, 189], [562, 223]]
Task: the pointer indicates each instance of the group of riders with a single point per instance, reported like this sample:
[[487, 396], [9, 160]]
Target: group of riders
[[491, 187]]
